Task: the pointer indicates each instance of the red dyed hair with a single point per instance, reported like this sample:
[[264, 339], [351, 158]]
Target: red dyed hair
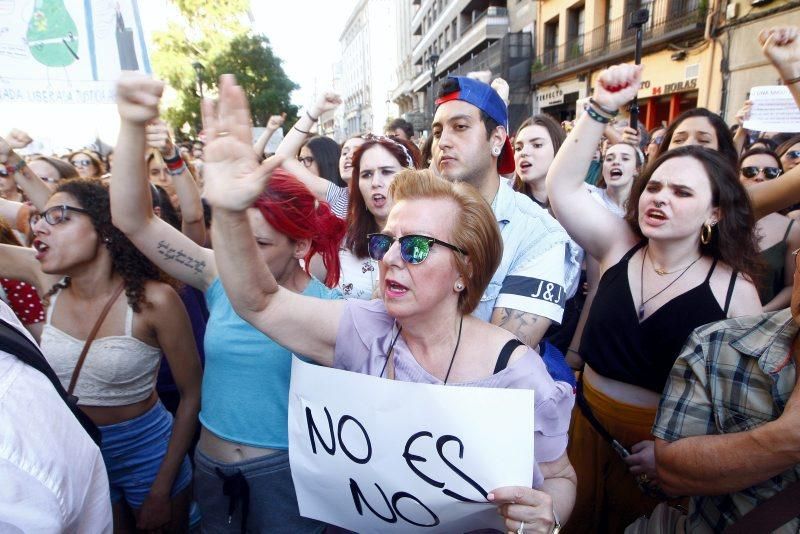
[[291, 209]]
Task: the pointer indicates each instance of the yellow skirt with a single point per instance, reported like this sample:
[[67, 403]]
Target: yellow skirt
[[608, 498]]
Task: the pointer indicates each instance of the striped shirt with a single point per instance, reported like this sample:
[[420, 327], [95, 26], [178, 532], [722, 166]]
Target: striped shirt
[[731, 376], [338, 197]]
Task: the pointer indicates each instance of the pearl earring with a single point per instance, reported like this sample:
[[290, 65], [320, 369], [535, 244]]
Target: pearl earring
[[496, 151], [459, 286]]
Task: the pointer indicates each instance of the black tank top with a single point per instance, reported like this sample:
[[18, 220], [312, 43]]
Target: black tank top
[[617, 346]]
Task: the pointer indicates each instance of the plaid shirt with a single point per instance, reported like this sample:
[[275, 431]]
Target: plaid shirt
[[731, 376]]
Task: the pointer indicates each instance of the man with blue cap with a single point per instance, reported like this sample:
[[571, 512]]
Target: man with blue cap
[[540, 267]]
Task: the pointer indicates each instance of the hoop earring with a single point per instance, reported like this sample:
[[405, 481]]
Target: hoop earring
[[705, 233]]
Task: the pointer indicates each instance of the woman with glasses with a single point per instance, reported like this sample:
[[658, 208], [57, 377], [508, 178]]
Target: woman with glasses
[[51, 170], [87, 164], [244, 433], [437, 253], [91, 268], [320, 155], [778, 235], [336, 194], [789, 152], [682, 257], [656, 137]]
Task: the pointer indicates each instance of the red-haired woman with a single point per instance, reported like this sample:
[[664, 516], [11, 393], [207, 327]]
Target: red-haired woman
[[243, 446]]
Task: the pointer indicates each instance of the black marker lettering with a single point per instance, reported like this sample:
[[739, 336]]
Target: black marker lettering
[[404, 495], [358, 496], [439, 446], [415, 458], [313, 427], [342, 421]]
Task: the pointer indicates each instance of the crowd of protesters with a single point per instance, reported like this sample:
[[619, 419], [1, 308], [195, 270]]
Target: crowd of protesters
[[643, 284]]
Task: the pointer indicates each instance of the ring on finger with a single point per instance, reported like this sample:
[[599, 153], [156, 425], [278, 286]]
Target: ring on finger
[[642, 479], [223, 133], [521, 528]]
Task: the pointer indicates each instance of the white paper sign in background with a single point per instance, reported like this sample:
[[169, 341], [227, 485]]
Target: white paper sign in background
[[376, 455], [774, 110]]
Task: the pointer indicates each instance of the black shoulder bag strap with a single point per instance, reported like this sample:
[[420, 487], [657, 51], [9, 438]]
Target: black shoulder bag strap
[[770, 514], [15, 342]]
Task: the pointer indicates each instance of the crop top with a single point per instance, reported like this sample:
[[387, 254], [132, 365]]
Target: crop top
[[617, 346], [118, 370]]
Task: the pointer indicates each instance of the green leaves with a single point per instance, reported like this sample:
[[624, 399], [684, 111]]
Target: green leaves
[[217, 35]]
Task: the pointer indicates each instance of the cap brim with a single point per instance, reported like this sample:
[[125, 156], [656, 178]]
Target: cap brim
[[505, 163]]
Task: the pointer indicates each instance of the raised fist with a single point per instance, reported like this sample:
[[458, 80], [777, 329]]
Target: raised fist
[[138, 96], [617, 85]]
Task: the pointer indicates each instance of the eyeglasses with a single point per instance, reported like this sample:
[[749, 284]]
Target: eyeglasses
[[414, 249], [793, 154], [306, 161], [81, 163], [55, 215], [656, 140], [769, 172]]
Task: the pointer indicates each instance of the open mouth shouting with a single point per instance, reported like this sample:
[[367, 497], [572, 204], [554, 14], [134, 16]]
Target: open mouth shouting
[[41, 248]]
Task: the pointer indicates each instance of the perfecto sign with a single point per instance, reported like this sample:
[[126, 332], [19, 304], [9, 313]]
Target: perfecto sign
[[552, 97], [375, 455]]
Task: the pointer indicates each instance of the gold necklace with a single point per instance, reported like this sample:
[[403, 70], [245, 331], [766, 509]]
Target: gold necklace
[[641, 283], [664, 272]]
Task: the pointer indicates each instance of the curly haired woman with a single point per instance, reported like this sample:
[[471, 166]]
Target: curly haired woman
[[88, 263]]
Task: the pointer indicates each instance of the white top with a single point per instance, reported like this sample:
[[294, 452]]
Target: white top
[[359, 276], [600, 196], [52, 476], [117, 371]]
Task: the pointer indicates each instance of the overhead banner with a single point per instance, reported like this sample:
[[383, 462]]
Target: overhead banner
[[376, 455], [68, 51]]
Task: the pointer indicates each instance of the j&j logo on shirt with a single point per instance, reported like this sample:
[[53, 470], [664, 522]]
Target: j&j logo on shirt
[[549, 291]]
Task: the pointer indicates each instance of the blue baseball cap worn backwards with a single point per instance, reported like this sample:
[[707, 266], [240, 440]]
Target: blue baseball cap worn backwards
[[486, 99]]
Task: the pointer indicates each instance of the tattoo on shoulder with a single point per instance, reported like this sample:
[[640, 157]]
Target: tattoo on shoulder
[[172, 254]]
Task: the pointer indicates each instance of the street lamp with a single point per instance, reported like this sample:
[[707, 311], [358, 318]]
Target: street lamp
[[198, 71], [432, 61]]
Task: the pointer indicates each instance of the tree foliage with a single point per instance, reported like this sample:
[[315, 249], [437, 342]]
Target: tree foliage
[[216, 35]]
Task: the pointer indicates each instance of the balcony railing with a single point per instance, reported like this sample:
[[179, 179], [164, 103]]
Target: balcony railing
[[491, 11], [668, 19]]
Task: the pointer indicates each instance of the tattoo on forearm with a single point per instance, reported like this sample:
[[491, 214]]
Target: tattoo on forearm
[[179, 256], [519, 323]]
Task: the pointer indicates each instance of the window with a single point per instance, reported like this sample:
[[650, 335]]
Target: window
[[550, 40]]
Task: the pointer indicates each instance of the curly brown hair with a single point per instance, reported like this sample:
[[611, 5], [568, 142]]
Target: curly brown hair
[[733, 240], [126, 260]]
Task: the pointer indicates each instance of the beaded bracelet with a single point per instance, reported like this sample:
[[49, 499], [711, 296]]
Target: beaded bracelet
[[595, 115], [600, 109]]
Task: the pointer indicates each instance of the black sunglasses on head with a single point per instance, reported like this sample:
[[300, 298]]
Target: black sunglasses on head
[[414, 249], [769, 172]]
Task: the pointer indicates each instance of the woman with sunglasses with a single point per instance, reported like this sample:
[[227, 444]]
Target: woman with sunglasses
[[789, 152], [671, 265], [375, 164], [778, 235], [90, 266], [87, 164], [244, 432], [437, 254]]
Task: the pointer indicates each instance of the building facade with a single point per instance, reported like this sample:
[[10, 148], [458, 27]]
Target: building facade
[[577, 39], [454, 37], [736, 29], [368, 59]]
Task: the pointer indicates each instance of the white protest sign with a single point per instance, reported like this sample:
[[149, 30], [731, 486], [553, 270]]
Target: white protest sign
[[376, 455], [68, 51], [774, 110]]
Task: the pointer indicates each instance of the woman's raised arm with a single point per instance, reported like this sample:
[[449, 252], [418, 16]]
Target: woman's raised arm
[[131, 204], [233, 181], [295, 138], [592, 226]]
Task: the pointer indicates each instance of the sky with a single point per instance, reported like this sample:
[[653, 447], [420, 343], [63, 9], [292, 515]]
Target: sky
[[305, 35]]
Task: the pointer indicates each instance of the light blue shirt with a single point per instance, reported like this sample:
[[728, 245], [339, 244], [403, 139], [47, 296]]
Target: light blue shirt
[[541, 265], [245, 391]]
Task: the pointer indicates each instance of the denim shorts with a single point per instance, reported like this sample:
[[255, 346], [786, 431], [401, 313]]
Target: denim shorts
[[133, 451], [266, 484]]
